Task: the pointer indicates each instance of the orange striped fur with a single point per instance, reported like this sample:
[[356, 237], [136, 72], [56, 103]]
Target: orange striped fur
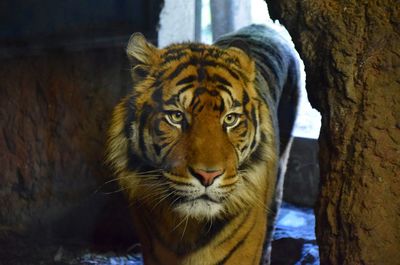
[[196, 147]]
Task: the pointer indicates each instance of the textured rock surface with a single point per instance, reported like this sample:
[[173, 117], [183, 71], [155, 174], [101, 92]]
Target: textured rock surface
[[351, 51], [53, 119], [301, 185], [62, 69]]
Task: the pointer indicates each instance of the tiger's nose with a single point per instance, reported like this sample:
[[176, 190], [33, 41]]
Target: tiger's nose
[[206, 177]]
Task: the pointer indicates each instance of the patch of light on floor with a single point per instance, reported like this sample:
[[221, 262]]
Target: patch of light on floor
[[295, 230], [295, 222], [292, 219]]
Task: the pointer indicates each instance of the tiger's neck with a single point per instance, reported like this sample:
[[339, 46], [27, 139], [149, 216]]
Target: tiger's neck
[[168, 238], [179, 233]]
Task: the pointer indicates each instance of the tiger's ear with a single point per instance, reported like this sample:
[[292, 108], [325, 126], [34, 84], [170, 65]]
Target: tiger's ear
[[241, 50], [142, 55]]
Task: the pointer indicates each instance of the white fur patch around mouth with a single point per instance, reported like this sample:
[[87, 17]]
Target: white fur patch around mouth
[[200, 208]]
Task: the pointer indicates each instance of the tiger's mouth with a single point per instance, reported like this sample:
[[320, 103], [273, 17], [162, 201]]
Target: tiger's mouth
[[204, 197], [201, 207], [189, 197]]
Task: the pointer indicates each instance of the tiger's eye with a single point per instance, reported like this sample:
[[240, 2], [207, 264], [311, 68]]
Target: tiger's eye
[[176, 116], [231, 119]]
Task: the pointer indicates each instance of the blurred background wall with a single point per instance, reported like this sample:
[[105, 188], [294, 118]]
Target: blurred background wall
[[62, 69]]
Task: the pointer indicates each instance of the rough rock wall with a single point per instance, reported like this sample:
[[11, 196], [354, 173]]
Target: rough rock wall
[[301, 185], [351, 51], [53, 117]]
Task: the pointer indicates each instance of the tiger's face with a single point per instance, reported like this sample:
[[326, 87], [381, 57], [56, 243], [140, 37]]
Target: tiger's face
[[195, 117]]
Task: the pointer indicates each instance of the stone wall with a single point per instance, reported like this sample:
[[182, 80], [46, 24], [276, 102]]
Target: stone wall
[[54, 115], [352, 60], [62, 69], [301, 186]]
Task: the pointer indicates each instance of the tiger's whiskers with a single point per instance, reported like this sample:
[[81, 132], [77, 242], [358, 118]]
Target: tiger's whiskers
[[184, 228]]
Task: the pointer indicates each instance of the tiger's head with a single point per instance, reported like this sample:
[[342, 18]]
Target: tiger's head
[[191, 129]]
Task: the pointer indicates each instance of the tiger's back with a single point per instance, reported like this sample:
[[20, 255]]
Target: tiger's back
[[279, 78], [200, 145]]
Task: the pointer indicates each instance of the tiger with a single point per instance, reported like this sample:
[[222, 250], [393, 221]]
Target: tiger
[[200, 143]]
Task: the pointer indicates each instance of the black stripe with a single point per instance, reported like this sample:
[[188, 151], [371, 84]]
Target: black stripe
[[173, 51], [163, 159], [199, 91], [243, 134], [230, 253], [156, 83], [201, 73], [162, 146], [194, 103], [213, 93], [253, 143], [270, 57], [222, 80], [214, 52], [223, 88], [142, 124], [243, 148], [157, 148], [157, 95], [169, 57], [236, 229], [221, 107], [259, 47], [263, 137], [205, 236], [256, 156], [195, 47], [185, 80], [245, 99], [152, 230], [193, 61], [236, 247], [130, 117], [136, 163], [236, 103], [270, 90], [240, 141], [200, 108], [232, 60], [226, 67], [173, 100], [183, 89], [157, 126]]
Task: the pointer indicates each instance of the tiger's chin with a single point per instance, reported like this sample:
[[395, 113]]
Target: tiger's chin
[[200, 209]]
